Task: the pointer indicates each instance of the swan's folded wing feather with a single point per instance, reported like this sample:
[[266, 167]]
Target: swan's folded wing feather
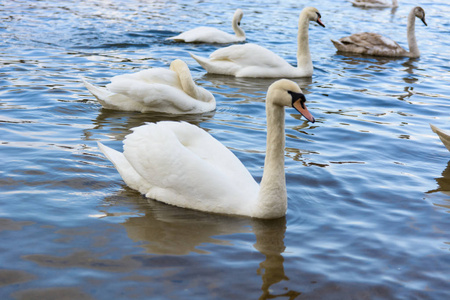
[[371, 43], [126, 171], [154, 75], [154, 95], [373, 39], [371, 3], [184, 160], [248, 55]]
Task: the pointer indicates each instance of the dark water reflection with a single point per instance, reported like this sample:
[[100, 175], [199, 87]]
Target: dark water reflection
[[166, 230], [117, 125], [443, 186]]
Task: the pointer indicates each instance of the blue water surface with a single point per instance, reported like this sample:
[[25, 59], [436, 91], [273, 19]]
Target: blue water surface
[[368, 183]]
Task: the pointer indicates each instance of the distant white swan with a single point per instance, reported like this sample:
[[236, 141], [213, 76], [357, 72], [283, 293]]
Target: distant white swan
[[378, 45], [158, 90], [250, 60], [212, 35], [443, 136], [181, 164], [375, 3]]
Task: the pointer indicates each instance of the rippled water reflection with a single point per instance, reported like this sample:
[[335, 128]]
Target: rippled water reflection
[[368, 183]]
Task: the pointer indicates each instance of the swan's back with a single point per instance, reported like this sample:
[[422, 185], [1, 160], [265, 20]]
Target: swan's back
[[207, 35], [369, 43], [248, 60], [248, 55], [374, 3], [187, 167], [153, 75]]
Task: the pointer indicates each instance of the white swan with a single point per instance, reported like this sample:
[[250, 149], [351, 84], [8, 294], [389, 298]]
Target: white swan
[[251, 60], [212, 35], [378, 45], [182, 165], [158, 90], [443, 136], [374, 3]]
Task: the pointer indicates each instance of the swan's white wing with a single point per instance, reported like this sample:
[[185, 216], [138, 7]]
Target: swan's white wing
[[154, 96], [154, 75], [247, 60], [112, 100], [205, 34], [129, 175], [157, 89], [248, 55], [187, 167]]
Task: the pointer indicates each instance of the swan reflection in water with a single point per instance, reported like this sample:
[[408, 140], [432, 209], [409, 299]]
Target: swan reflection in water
[[117, 124], [167, 230], [443, 183]]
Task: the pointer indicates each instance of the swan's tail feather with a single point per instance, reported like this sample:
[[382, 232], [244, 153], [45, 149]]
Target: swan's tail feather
[[338, 45], [201, 60], [225, 67], [100, 93], [113, 155], [443, 136], [174, 38], [128, 173]]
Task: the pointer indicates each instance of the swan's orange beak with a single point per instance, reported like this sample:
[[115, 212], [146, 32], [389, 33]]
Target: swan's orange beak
[[300, 106], [320, 22]]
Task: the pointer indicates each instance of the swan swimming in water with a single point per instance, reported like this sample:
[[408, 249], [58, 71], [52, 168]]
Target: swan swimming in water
[[212, 35], [443, 136], [158, 90], [378, 45], [251, 60], [181, 164], [374, 3]]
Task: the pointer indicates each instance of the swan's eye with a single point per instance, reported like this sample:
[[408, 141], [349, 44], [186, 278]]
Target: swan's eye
[[239, 23], [318, 15], [296, 96]]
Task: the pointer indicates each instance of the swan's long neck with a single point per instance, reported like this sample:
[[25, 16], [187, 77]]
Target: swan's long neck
[[304, 60], [237, 30], [186, 81], [272, 197], [188, 84], [411, 35]]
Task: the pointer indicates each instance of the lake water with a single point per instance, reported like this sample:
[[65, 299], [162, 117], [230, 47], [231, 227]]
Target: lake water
[[368, 183]]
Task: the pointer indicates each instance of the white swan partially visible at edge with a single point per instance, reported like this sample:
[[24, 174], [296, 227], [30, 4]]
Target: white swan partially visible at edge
[[213, 35], [181, 164], [375, 44], [443, 136], [374, 3], [251, 60], [169, 91]]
